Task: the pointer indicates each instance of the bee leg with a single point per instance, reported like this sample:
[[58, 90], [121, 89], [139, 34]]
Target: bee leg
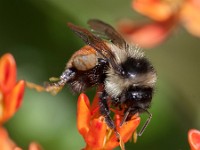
[[125, 117], [104, 110], [55, 87]]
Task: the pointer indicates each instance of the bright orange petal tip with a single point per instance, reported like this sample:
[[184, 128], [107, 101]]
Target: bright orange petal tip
[[83, 99], [13, 100], [194, 139], [17, 94], [8, 72], [83, 114]]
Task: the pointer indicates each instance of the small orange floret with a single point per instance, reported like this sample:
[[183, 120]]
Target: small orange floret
[[11, 92], [8, 73], [194, 139]]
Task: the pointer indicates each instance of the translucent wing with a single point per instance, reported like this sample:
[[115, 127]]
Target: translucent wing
[[109, 31]]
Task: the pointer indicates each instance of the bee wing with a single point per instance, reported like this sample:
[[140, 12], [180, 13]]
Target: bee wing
[[97, 43], [109, 31]]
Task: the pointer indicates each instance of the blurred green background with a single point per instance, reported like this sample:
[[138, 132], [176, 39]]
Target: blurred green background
[[35, 32]]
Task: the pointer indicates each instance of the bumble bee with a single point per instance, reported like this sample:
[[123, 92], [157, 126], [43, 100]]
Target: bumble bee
[[127, 77]]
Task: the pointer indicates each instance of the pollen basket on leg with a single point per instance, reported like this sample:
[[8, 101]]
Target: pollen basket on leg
[[83, 59]]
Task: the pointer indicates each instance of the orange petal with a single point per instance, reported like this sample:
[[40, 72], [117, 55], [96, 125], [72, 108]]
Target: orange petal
[[8, 72], [118, 120], [83, 114], [34, 146], [5, 142], [146, 35], [97, 133], [194, 139], [190, 17], [13, 100], [155, 9], [95, 103], [125, 132]]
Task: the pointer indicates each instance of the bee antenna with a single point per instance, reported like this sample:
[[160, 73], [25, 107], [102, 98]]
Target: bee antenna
[[146, 123]]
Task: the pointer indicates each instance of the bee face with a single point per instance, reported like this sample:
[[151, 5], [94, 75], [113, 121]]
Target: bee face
[[138, 97], [126, 75]]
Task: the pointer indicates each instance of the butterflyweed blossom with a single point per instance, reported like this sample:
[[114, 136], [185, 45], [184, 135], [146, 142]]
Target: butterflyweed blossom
[[11, 91], [164, 16], [11, 96], [97, 135], [194, 139]]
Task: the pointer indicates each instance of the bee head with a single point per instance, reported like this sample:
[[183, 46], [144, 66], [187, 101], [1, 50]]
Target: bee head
[[138, 98]]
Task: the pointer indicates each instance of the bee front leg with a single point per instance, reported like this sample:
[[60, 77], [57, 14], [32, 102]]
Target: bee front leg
[[55, 87], [105, 111]]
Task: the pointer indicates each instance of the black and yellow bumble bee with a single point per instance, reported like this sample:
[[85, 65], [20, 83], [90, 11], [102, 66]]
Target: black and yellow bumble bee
[[127, 77]]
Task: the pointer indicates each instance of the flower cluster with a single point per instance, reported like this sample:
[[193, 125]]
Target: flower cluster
[[11, 96], [96, 133], [11, 92], [164, 16]]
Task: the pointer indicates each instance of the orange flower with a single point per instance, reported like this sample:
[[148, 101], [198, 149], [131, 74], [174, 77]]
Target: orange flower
[[96, 133], [7, 144], [148, 34], [194, 139], [164, 15], [11, 93]]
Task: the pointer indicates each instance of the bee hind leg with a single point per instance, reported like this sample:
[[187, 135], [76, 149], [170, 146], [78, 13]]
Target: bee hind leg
[[55, 87]]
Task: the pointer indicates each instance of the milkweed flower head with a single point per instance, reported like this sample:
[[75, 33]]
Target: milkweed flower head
[[11, 96], [97, 135]]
